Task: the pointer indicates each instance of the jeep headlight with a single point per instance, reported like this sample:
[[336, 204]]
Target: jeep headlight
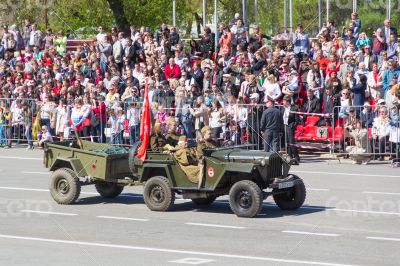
[[263, 162]]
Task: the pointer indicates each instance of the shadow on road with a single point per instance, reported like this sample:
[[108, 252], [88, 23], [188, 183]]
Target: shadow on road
[[124, 198], [269, 210]]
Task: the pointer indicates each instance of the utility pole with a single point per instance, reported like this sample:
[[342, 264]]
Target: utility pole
[[244, 8], [284, 16], [174, 12], [46, 10], [256, 11], [327, 11], [388, 7], [291, 15], [216, 25], [204, 13], [319, 14]]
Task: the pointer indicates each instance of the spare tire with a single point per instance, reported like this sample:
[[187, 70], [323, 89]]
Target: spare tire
[[132, 155]]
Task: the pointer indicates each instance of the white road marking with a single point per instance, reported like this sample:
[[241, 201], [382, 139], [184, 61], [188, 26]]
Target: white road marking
[[21, 158], [383, 238], [52, 213], [349, 210], [175, 251], [39, 190], [217, 225], [317, 189], [36, 173], [123, 218], [309, 233], [338, 173], [24, 189], [191, 261], [383, 193]]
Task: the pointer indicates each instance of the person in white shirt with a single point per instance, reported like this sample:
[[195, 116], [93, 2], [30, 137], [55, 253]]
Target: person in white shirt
[[101, 35], [45, 137], [272, 90], [133, 116]]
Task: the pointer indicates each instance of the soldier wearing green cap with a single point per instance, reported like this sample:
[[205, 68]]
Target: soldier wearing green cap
[[205, 143]]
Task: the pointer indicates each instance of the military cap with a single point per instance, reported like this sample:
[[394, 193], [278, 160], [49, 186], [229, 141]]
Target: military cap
[[205, 129], [170, 120], [182, 138]]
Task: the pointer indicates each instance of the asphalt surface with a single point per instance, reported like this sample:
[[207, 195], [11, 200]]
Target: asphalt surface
[[351, 217]]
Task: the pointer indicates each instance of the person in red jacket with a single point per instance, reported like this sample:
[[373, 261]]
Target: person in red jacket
[[322, 61], [100, 110], [172, 70]]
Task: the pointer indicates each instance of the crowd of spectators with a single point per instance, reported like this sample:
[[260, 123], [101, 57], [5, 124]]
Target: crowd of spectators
[[97, 90]]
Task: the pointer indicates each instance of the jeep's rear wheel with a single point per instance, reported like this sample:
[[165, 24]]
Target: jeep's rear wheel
[[292, 199], [158, 194], [204, 201], [64, 186], [108, 189], [245, 198]]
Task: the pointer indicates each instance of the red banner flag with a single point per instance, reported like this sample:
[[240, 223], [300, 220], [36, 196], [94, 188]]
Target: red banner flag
[[145, 126]]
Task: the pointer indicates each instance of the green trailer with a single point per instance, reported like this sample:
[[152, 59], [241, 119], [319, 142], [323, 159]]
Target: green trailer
[[78, 163]]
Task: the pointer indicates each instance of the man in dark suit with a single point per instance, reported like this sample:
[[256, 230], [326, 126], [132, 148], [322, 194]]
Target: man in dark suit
[[311, 103], [290, 120], [130, 53], [387, 30], [330, 101], [197, 75], [270, 125]]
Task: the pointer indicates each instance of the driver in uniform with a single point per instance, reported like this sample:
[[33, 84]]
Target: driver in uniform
[[171, 137], [205, 143]]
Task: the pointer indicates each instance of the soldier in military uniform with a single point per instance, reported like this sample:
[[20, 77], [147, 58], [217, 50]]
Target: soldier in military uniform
[[205, 143], [187, 159], [157, 139], [172, 138]]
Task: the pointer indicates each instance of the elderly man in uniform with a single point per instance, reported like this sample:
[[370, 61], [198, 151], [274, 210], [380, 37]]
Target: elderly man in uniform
[[186, 157], [157, 139], [171, 137], [205, 143]]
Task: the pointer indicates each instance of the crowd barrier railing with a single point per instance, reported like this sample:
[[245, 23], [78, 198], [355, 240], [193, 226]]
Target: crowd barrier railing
[[367, 133], [236, 124]]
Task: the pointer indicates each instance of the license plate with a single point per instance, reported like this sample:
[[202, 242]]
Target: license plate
[[285, 184]]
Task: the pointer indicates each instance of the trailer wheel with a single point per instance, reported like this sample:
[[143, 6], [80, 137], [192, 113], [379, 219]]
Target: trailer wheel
[[132, 154], [292, 199], [245, 198], [64, 186], [158, 194], [108, 189]]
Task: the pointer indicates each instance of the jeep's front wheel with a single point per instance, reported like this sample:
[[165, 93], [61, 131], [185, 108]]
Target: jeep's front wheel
[[292, 199], [158, 194], [108, 189], [64, 186], [245, 198]]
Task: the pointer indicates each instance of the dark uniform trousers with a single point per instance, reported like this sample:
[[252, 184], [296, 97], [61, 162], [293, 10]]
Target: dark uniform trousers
[[290, 140]]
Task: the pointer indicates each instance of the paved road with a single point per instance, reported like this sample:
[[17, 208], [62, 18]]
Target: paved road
[[351, 217]]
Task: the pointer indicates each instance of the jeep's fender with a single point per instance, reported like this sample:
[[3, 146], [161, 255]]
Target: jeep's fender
[[239, 167], [159, 169], [73, 163]]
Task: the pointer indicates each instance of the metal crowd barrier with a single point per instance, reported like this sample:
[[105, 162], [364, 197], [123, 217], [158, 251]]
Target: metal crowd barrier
[[367, 132]]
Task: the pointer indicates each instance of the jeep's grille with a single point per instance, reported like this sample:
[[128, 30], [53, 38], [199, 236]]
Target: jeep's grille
[[275, 167]]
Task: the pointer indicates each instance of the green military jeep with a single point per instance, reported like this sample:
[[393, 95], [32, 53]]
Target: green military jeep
[[247, 176]]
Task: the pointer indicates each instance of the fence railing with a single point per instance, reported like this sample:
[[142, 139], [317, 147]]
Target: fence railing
[[367, 132], [362, 133]]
